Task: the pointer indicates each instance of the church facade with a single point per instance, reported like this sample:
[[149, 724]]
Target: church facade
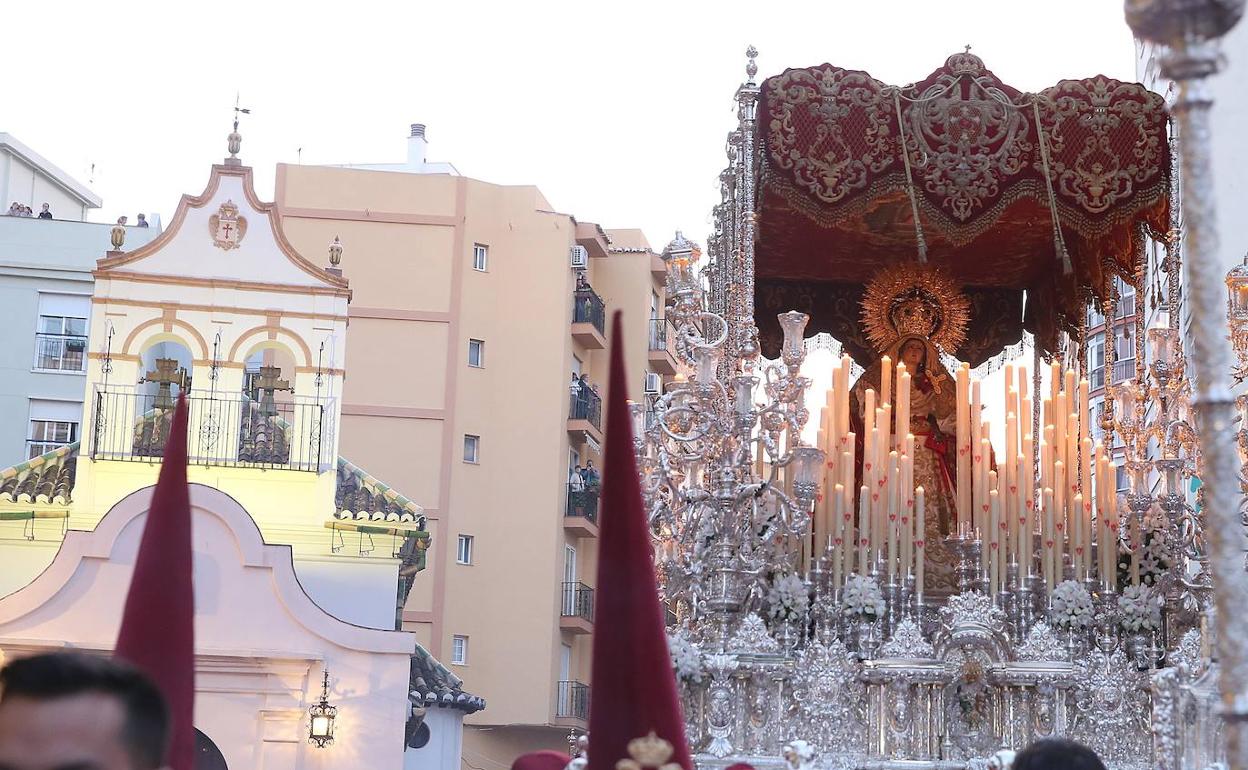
[[302, 559]]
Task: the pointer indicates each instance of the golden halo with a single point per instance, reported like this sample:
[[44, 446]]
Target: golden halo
[[915, 299]]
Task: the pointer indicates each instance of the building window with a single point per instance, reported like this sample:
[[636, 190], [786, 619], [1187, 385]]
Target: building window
[[464, 553], [476, 353], [480, 257], [61, 343], [46, 435], [459, 650], [472, 448]]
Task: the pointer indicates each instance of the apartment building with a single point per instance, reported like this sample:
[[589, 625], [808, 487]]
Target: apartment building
[[478, 356], [45, 290]]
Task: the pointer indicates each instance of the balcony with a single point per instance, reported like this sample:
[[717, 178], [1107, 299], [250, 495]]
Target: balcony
[[661, 353], [585, 415], [224, 429], [572, 701], [60, 353], [580, 514], [589, 318], [1096, 378], [1124, 370], [576, 613]]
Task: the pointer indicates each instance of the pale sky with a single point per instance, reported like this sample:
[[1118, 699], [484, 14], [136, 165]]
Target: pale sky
[[616, 112]]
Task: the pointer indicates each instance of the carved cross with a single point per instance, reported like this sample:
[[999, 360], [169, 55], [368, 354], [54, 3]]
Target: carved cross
[[167, 375], [267, 383]]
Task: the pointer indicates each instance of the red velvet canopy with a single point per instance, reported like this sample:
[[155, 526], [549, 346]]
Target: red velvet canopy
[[834, 202]]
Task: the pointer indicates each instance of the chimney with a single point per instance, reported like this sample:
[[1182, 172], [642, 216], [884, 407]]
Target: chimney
[[416, 147]]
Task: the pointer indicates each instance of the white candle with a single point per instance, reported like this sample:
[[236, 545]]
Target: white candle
[[892, 508], [903, 403], [864, 567], [920, 543], [1048, 540], [886, 380], [836, 539], [963, 444], [994, 544]]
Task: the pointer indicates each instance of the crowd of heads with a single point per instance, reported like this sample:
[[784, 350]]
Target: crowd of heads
[[17, 209]]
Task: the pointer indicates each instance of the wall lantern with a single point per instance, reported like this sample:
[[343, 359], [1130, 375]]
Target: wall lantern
[[321, 725]]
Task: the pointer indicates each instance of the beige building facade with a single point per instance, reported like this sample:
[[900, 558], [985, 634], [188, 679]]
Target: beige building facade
[[474, 306]]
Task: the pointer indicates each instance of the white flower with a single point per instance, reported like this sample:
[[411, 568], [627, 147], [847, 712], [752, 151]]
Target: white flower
[[1140, 609], [686, 659], [862, 597], [1072, 606], [787, 599]]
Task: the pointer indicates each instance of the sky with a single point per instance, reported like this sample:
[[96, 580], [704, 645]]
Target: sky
[[617, 112]]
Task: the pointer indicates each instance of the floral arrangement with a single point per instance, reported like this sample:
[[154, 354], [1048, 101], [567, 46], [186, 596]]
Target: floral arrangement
[[862, 597], [1139, 610], [1153, 563], [686, 659], [787, 599], [1072, 606]]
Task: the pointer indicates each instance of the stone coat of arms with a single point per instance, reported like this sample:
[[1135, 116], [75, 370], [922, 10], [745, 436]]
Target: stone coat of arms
[[227, 227]]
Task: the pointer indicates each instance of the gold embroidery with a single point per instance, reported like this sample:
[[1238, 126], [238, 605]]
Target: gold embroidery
[[648, 753]]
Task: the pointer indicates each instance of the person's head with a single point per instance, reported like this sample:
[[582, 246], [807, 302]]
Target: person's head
[[912, 353], [142, 217], [67, 710], [46, 207], [1057, 754]]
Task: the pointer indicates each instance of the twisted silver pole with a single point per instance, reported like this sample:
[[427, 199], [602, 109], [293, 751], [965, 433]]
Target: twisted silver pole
[[1189, 64]]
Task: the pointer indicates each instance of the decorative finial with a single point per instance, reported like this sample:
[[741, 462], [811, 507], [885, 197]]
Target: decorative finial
[[968, 48], [234, 141], [118, 234], [335, 252], [751, 66]]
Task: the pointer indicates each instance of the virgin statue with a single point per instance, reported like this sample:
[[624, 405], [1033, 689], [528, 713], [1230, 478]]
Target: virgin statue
[[910, 313]]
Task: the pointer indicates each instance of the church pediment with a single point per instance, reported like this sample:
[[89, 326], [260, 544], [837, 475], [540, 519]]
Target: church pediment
[[224, 235]]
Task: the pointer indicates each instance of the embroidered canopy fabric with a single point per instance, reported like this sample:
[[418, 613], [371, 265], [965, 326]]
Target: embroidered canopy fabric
[[985, 166]]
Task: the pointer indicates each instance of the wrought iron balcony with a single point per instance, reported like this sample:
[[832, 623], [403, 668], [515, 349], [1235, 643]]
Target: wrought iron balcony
[[583, 502], [227, 429], [588, 307], [1124, 370], [578, 602], [662, 348], [1096, 378], [586, 405], [60, 352], [572, 701]]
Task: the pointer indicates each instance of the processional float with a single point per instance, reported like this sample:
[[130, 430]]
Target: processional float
[[896, 589]]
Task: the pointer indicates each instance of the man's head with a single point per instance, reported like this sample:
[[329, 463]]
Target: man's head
[[1057, 754], [46, 207], [66, 711]]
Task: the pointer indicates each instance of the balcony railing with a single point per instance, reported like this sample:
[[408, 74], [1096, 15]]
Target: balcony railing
[[588, 308], [583, 502], [1096, 378], [1124, 370], [578, 601], [60, 352], [586, 405], [662, 335], [223, 429], [572, 701]]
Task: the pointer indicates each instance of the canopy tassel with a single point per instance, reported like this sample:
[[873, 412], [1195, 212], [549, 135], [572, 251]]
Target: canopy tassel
[[914, 200], [1059, 243]]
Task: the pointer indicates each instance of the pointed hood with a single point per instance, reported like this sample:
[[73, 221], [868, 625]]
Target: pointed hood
[[634, 688], [157, 627]]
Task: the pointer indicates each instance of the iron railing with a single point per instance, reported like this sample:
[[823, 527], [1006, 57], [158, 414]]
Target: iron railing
[[587, 307], [572, 700], [583, 502], [663, 335], [223, 429], [586, 405], [1096, 378], [60, 352], [578, 601], [1124, 370]]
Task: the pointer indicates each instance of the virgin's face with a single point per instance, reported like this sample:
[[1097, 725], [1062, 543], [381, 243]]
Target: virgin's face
[[912, 355]]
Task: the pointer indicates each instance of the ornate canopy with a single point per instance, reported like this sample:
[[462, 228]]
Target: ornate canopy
[[991, 173]]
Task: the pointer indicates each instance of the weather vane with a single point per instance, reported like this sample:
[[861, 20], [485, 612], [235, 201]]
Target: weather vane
[[238, 111]]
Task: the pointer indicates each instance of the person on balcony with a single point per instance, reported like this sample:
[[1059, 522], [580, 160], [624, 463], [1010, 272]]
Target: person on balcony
[[576, 479], [45, 212]]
